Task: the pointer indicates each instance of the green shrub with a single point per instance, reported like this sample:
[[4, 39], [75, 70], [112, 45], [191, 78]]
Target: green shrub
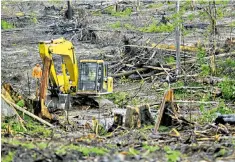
[[228, 89], [118, 97], [172, 155], [201, 54], [205, 70], [154, 28], [226, 67], [9, 157], [115, 25], [33, 19], [127, 12], [84, 149], [208, 115], [129, 27], [6, 25], [170, 59], [33, 127], [133, 151], [155, 5], [151, 148]]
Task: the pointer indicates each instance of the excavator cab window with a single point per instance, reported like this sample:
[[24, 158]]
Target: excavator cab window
[[90, 78]]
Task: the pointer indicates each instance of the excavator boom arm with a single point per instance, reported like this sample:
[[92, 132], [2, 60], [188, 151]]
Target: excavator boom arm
[[69, 62]]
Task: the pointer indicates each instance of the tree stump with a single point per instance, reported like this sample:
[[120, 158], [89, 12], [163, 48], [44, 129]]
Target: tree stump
[[168, 113], [138, 116], [118, 121]]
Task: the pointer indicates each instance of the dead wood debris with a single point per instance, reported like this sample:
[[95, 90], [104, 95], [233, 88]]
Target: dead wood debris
[[139, 116]]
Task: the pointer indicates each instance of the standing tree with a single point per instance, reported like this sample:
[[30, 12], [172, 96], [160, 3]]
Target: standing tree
[[213, 13], [69, 12]]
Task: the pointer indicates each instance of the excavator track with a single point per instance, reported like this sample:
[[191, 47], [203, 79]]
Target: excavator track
[[65, 101]]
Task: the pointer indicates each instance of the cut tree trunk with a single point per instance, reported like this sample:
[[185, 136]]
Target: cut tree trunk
[[138, 117], [168, 113], [118, 121]]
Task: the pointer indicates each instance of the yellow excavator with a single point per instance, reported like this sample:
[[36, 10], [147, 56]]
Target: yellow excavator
[[82, 80]]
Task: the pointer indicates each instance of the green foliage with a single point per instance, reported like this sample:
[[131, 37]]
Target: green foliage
[[228, 89], [135, 101], [179, 84], [172, 155], [232, 24], [191, 16], [127, 12], [226, 67], [110, 10], [155, 5], [26, 144], [96, 13], [151, 28], [147, 127], [205, 70], [222, 152], [133, 151], [124, 80], [179, 94], [154, 28], [163, 128], [210, 114], [115, 25], [223, 109], [118, 97], [129, 27], [55, 2], [201, 54], [84, 149], [9, 157], [151, 148], [33, 127], [6, 25], [33, 18], [15, 126], [169, 60]]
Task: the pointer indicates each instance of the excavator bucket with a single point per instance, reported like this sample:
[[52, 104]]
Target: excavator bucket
[[44, 111]]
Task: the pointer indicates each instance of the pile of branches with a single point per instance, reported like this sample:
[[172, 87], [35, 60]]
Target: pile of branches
[[138, 62]]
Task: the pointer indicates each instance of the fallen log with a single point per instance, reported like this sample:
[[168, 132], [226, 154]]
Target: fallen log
[[150, 67], [144, 68], [199, 102], [161, 73], [224, 119], [27, 112], [169, 48], [175, 88], [206, 58], [127, 73], [136, 117]]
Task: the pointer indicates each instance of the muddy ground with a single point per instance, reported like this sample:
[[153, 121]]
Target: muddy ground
[[94, 37]]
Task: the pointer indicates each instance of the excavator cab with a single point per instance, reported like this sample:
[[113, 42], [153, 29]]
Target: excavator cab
[[93, 78]]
